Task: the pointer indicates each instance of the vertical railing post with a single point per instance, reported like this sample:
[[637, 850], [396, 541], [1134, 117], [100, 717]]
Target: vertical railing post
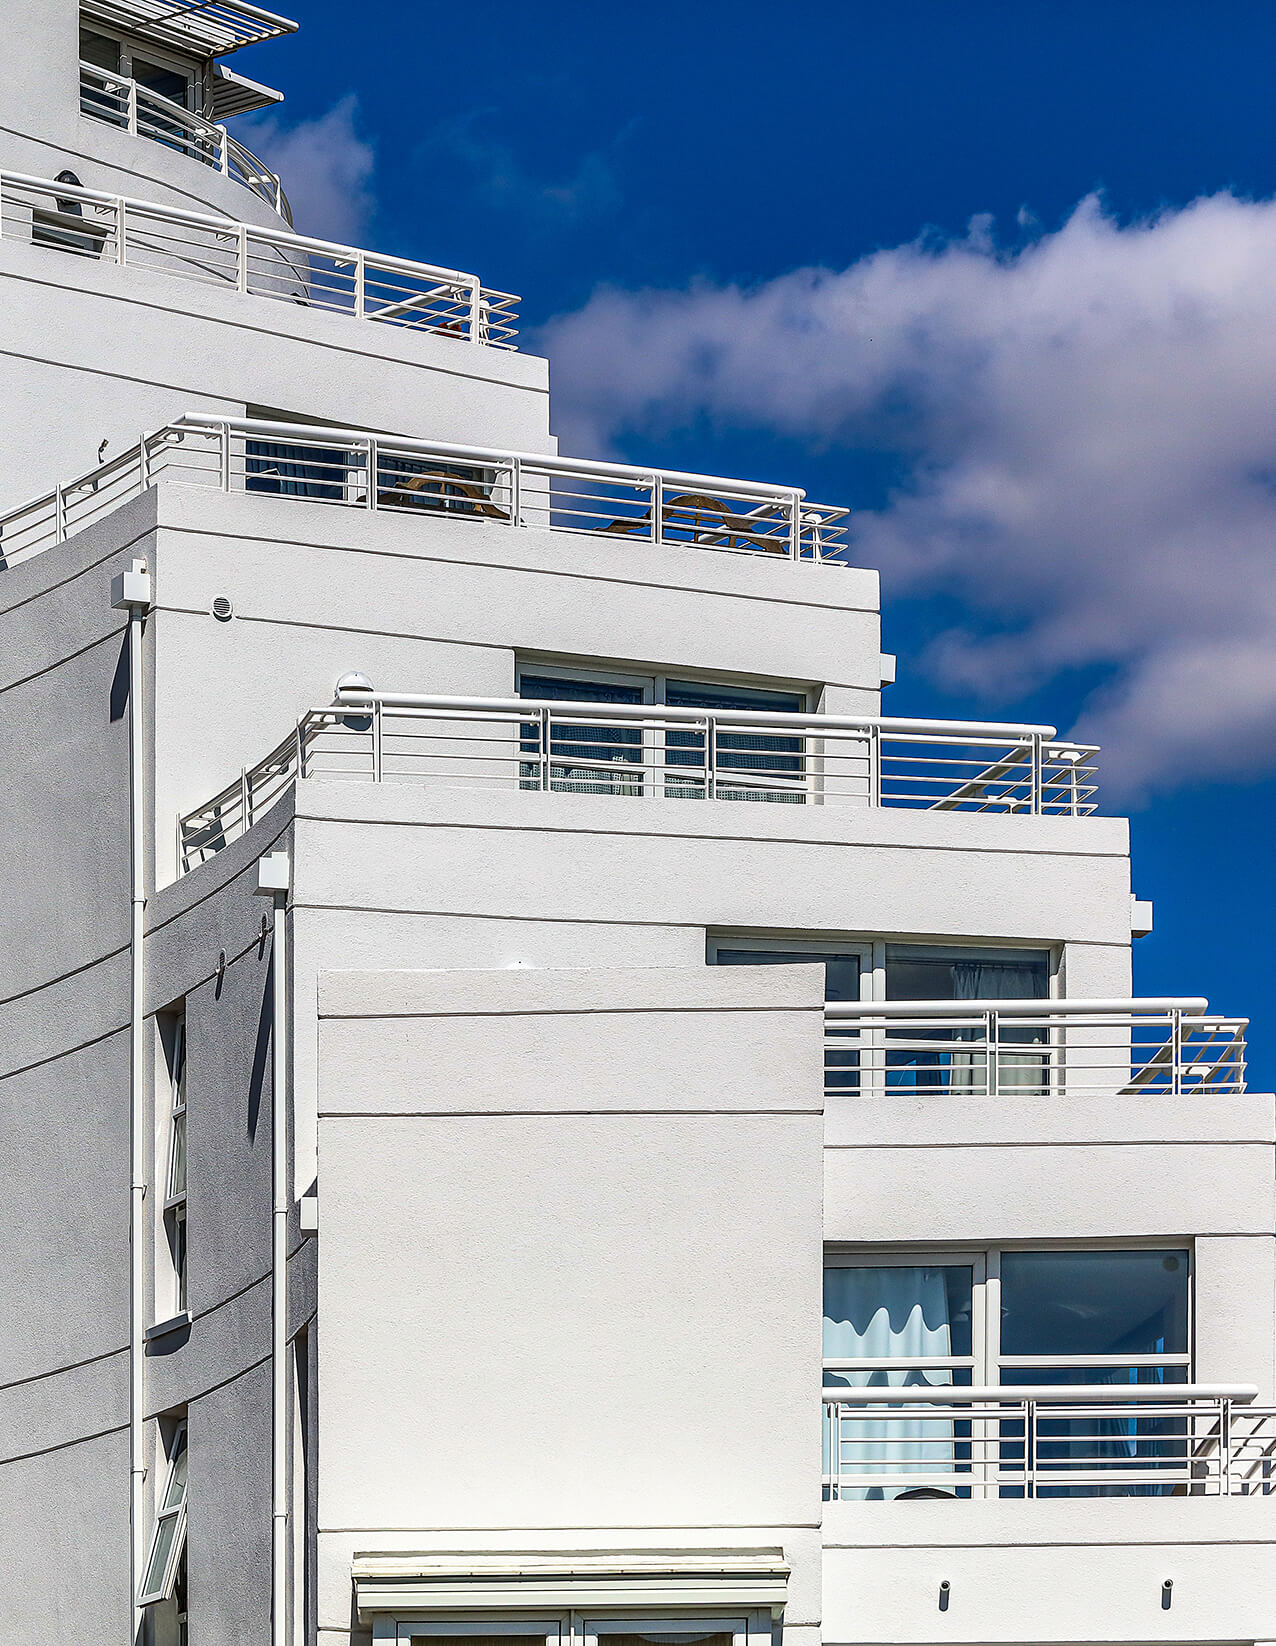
[[132, 106], [59, 515], [377, 744], [143, 462], [875, 765], [992, 1033], [476, 313], [710, 758], [1225, 1447], [657, 508], [546, 730], [301, 751], [241, 270], [223, 453], [516, 492], [121, 230], [1030, 1448], [1176, 1052], [795, 529], [360, 286], [1037, 754], [245, 819], [374, 471], [223, 150]]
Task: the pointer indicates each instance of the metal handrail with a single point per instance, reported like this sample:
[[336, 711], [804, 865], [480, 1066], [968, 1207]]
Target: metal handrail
[[1016, 1049], [617, 504], [260, 262], [667, 753], [1034, 1440], [119, 101]]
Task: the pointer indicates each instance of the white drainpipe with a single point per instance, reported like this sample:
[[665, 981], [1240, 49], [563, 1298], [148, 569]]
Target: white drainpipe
[[131, 592], [273, 876]]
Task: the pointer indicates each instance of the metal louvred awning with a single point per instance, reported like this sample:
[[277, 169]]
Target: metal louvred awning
[[667, 1581], [237, 94], [208, 28]]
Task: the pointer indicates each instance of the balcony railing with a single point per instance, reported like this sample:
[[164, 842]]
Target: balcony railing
[[216, 251], [353, 469], [639, 752], [1070, 1440], [121, 102], [1031, 1048]]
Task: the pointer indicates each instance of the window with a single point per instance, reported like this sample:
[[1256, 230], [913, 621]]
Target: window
[[1095, 1317], [923, 1058], [165, 1560], [576, 1629], [668, 759], [175, 1166]]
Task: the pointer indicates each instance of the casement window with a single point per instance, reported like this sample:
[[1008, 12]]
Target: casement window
[[165, 74], [666, 759], [163, 1575], [1097, 1317], [175, 1163]]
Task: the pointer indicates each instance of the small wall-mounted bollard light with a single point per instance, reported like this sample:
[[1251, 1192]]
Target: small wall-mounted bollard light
[[1167, 1594], [945, 1590]]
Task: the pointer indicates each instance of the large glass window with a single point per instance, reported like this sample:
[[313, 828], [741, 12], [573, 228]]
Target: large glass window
[[668, 760], [1099, 1318]]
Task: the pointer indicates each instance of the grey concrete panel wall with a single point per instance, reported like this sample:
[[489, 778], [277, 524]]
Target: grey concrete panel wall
[[92, 351], [228, 1519], [64, 1531]]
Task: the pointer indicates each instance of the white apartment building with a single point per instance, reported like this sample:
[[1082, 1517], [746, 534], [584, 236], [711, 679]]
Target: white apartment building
[[479, 967]]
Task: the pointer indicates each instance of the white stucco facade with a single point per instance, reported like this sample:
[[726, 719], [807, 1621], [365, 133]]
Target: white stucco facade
[[428, 1140]]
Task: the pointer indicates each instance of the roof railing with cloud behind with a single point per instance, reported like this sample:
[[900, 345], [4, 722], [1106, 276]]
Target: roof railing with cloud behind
[[427, 480]]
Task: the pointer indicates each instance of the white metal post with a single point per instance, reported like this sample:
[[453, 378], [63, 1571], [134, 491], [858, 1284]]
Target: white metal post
[[121, 230], [132, 106]]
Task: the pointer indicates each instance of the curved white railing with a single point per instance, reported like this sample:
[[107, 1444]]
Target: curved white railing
[[121, 102], [637, 751], [1041, 1440], [422, 479], [218, 251], [1015, 1049]]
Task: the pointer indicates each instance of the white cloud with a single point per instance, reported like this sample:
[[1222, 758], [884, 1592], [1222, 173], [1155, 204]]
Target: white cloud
[[325, 165], [1088, 426]]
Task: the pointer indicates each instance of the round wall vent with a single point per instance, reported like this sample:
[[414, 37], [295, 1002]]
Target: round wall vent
[[223, 611]]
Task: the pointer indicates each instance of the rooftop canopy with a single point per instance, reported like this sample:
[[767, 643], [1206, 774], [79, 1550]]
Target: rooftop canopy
[[210, 28]]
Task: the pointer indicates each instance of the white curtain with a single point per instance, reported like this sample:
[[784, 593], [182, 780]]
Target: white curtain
[[886, 1313], [995, 980]]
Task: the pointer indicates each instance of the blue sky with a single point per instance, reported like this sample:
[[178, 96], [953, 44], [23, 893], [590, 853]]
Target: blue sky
[[1059, 424]]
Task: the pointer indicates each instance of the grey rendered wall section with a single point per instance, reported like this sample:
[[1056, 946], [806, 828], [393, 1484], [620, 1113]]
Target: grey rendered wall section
[[64, 1298]]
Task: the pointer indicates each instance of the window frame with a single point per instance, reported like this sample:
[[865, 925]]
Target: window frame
[[583, 1627], [655, 774], [194, 70], [989, 1363], [156, 1594], [173, 1205]]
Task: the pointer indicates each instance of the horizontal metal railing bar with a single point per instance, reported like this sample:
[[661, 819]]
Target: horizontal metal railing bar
[[385, 262], [591, 713], [307, 434], [1071, 1394], [264, 255], [169, 123], [860, 1010]]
